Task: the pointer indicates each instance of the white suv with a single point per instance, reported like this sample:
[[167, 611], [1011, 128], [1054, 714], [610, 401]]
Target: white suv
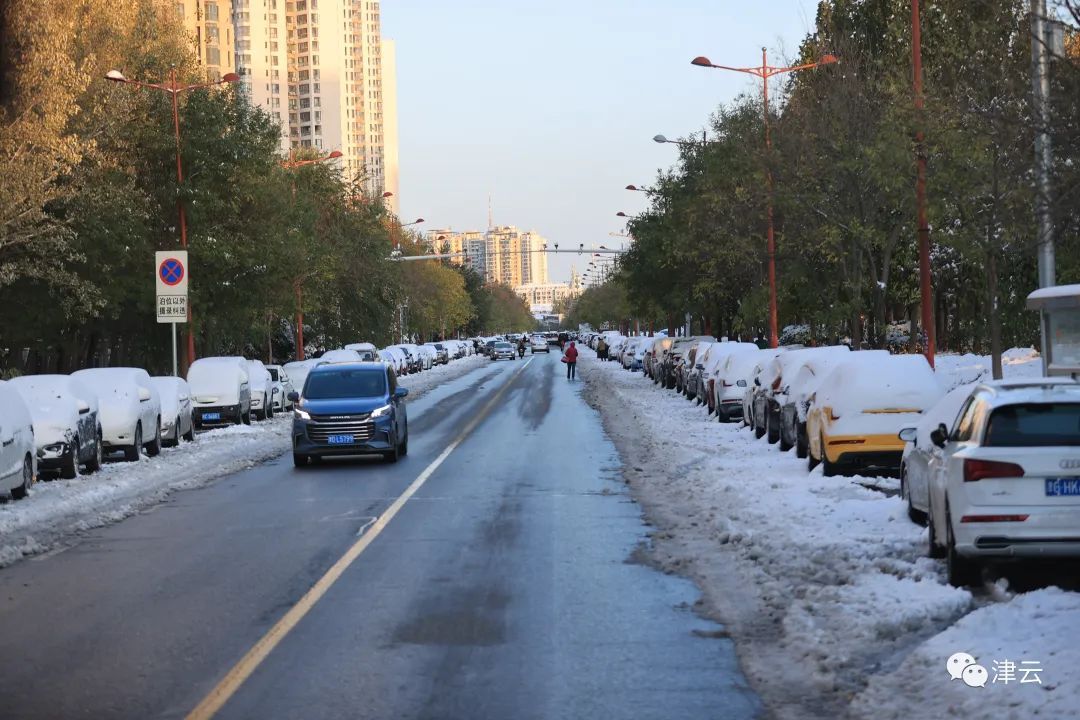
[[1006, 483]]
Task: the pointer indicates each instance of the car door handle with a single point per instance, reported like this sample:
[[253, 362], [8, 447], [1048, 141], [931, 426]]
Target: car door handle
[[8, 442]]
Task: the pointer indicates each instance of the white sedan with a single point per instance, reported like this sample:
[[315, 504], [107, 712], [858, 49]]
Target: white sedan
[[176, 418], [18, 460], [1007, 484], [130, 409], [67, 431], [282, 387], [537, 343]]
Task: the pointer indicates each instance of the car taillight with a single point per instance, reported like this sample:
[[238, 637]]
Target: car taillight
[[975, 470]]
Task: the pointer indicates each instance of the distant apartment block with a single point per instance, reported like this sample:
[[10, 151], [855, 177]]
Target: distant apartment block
[[503, 254], [321, 68], [542, 297]]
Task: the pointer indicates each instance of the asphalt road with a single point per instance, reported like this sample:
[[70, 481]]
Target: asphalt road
[[503, 587]]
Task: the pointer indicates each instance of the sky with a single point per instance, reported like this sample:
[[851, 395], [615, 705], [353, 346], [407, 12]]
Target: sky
[[550, 106]]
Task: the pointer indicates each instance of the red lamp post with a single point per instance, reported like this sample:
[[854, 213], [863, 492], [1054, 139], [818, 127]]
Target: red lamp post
[[174, 87], [923, 224], [765, 72]]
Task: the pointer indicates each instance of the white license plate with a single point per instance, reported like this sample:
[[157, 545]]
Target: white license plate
[[340, 440], [1062, 487]]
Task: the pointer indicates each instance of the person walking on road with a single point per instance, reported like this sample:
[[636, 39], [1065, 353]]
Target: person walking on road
[[601, 349], [570, 356]]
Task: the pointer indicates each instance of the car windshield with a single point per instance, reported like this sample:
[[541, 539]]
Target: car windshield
[[345, 384], [503, 346], [1033, 425]]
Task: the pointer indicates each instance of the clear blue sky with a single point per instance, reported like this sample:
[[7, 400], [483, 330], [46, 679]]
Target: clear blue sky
[[551, 105]]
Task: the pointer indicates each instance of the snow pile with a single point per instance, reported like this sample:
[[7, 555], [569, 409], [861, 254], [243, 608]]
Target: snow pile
[[58, 509], [1039, 628], [1017, 364], [823, 582]]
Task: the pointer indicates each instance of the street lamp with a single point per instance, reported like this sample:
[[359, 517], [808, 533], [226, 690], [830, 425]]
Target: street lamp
[[289, 164], [635, 188], [174, 87], [298, 281], [766, 71]]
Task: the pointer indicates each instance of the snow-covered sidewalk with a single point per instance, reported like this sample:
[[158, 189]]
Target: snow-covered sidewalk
[[823, 583], [56, 510]]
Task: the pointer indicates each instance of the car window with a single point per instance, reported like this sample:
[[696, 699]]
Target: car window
[[965, 429], [391, 380], [344, 384], [273, 374], [1034, 424]]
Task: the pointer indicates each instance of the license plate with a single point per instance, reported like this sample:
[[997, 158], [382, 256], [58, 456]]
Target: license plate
[[340, 440], [1062, 487], [211, 416]]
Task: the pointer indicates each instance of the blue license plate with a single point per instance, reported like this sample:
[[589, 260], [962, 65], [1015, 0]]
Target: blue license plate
[[340, 440], [1062, 487], [211, 416]]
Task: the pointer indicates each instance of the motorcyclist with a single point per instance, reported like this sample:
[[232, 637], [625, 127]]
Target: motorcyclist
[[521, 347]]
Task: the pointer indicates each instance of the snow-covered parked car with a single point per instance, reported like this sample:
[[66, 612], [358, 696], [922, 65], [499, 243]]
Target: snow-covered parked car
[[1007, 485], [859, 409], [780, 397], [298, 371], [428, 355], [690, 368], [341, 355], [282, 387], [18, 458], [67, 431], [367, 350], [711, 366], [736, 383], [176, 419], [262, 390], [129, 409], [220, 391], [921, 454]]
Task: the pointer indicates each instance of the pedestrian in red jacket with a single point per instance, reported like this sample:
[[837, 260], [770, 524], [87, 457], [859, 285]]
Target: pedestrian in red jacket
[[570, 356]]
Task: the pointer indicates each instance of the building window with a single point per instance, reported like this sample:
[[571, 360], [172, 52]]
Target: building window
[[212, 34], [211, 11], [305, 102], [213, 56], [305, 117]]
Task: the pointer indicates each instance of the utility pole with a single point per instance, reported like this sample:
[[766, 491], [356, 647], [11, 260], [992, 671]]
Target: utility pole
[[1040, 90]]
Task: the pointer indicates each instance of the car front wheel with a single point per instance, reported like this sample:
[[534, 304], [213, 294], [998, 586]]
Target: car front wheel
[[299, 459], [95, 461], [153, 448], [70, 467]]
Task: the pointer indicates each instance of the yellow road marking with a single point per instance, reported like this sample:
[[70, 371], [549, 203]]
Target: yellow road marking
[[242, 670]]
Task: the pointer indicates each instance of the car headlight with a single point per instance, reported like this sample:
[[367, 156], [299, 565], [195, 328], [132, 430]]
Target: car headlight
[[380, 411], [301, 414]]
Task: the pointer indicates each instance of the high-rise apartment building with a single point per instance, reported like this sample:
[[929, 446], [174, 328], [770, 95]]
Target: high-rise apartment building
[[262, 57], [502, 255], [210, 25]]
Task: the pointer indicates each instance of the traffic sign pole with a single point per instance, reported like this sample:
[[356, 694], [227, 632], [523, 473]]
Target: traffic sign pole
[[171, 277], [174, 370]]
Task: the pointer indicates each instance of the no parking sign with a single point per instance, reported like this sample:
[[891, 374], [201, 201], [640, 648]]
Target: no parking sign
[[171, 276]]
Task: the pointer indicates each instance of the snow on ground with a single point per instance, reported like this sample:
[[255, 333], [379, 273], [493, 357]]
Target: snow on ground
[[1017, 364], [823, 582], [56, 510]]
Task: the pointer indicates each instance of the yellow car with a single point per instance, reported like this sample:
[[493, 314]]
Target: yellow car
[[859, 409]]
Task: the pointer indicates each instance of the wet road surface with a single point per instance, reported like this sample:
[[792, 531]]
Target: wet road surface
[[503, 588]]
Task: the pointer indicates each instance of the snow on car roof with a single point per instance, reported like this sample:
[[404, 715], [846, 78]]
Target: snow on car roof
[[873, 382]]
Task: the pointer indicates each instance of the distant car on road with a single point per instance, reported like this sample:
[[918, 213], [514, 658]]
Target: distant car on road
[[350, 409], [539, 344], [282, 387], [502, 350]]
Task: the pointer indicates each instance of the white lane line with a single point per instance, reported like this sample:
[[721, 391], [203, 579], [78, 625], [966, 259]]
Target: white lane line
[[254, 657]]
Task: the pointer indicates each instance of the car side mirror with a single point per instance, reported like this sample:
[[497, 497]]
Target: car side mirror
[[909, 434], [757, 381], [83, 407], [144, 394], [182, 398], [294, 396], [700, 367], [401, 392], [940, 435]]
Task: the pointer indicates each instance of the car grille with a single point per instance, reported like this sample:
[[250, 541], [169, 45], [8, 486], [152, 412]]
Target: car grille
[[359, 426]]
